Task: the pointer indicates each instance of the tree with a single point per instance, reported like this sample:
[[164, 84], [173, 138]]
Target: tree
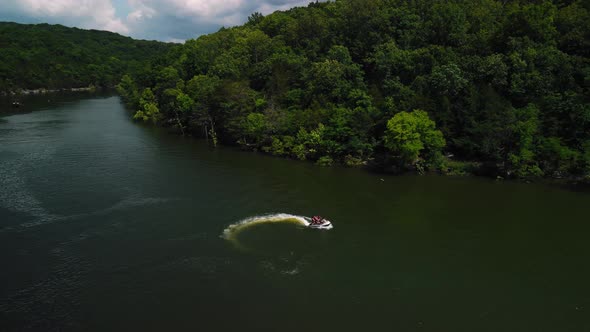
[[128, 91], [586, 160], [148, 108], [333, 79], [522, 157], [413, 136], [253, 127], [202, 89], [448, 79], [556, 158], [255, 18], [505, 82], [58, 57]]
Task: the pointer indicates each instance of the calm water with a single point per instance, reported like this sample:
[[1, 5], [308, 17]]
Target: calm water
[[106, 225]]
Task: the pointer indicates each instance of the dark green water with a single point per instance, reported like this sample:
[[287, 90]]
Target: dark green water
[[106, 225]]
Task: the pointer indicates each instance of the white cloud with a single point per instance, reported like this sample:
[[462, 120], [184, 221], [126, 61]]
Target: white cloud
[[149, 19], [95, 14], [210, 9], [182, 19]]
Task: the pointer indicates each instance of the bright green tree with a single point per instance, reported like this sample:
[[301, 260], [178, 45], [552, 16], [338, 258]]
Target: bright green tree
[[148, 108], [413, 136]]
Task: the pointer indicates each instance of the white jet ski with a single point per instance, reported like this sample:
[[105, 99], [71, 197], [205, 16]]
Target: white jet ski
[[323, 224]]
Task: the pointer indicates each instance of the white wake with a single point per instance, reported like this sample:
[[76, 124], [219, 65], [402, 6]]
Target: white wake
[[233, 230]]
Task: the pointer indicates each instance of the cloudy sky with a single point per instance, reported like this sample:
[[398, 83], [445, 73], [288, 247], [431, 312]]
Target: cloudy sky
[[167, 20]]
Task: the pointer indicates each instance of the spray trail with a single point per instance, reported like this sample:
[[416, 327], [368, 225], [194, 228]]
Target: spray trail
[[233, 230]]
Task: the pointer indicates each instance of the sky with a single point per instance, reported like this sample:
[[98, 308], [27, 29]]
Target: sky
[[165, 20]]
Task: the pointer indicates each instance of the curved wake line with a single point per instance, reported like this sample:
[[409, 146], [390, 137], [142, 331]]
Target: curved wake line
[[233, 230]]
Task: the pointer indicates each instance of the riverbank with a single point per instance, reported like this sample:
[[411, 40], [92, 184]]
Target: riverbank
[[41, 91], [451, 167], [32, 99]]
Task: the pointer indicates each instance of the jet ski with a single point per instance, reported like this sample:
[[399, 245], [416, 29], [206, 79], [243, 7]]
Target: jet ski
[[319, 223]]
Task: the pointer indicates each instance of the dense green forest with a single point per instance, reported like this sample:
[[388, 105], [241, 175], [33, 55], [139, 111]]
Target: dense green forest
[[493, 86], [55, 57]]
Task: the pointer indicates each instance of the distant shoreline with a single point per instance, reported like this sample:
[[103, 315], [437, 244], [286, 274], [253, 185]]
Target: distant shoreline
[[27, 92]]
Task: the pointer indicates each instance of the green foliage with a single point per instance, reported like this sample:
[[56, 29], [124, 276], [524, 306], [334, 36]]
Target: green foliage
[[276, 148], [459, 168], [333, 79], [55, 57], [351, 161], [448, 79], [506, 83], [148, 108], [586, 159], [522, 158], [184, 102], [127, 89], [325, 161], [300, 152], [556, 158], [254, 127], [255, 18], [413, 136]]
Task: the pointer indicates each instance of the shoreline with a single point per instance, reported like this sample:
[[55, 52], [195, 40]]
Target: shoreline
[[454, 168], [41, 91]]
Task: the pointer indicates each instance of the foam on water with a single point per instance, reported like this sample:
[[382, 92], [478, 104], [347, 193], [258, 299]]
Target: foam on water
[[233, 230]]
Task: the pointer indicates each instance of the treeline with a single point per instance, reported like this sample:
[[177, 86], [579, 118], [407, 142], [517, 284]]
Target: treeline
[[402, 84], [54, 57]]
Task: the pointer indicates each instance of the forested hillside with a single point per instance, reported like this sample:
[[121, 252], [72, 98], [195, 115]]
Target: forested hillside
[[54, 56], [402, 84]]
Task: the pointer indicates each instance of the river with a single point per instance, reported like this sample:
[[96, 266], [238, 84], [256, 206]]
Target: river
[[109, 225]]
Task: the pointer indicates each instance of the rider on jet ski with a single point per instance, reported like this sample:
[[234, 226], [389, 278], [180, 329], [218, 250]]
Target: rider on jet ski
[[316, 220]]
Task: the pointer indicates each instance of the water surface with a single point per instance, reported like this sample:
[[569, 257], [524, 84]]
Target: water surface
[[110, 225]]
